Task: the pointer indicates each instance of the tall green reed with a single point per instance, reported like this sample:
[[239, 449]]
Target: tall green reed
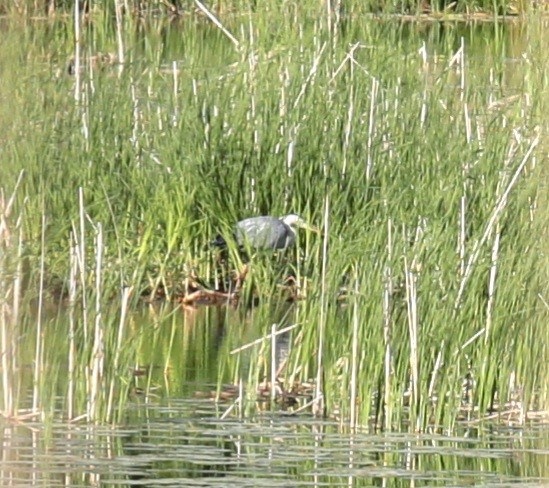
[[415, 157]]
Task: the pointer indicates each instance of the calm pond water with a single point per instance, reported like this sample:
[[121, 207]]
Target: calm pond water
[[183, 442]]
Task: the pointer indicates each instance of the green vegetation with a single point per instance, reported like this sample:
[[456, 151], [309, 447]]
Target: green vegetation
[[346, 7], [417, 150]]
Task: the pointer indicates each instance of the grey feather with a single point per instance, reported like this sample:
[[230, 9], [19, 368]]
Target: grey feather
[[265, 233]]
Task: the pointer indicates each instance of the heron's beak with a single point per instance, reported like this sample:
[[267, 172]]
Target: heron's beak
[[312, 228]]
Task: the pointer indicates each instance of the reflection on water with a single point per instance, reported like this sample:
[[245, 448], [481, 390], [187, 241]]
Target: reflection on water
[[185, 443]]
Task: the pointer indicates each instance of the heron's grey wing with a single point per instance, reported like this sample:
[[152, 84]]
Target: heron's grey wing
[[288, 239], [262, 232]]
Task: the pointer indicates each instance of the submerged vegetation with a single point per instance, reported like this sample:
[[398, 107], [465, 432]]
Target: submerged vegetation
[[419, 152]]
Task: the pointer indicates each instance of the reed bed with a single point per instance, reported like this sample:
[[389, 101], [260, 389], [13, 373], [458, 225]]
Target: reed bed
[[466, 9], [420, 154]]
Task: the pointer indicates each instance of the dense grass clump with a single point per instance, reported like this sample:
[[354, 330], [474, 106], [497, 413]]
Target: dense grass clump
[[416, 150]]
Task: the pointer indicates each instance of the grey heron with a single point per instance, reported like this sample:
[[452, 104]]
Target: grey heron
[[267, 232]]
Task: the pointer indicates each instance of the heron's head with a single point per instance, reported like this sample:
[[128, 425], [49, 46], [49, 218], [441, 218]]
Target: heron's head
[[293, 220], [296, 221]]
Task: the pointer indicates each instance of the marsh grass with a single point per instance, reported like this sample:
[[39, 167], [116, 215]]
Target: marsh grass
[[420, 160], [176, 9]]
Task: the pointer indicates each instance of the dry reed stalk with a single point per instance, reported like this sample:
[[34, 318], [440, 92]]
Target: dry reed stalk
[[273, 362], [137, 128], [371, 129], [467, 117], [7, 342], [387, 328], [240, 399], [73, 286], [119, 32], [349, 123], [462, 233], [310, 77], [413, 326], [175, 77], [264, 338], [217, 22], [77, 51], [229, 409], [434, 373], [495, 253], [499, 207], [9, 313], [97, 360], [18, 277], [80, 240], [354, 361], [39, 346], [126, 294], [319, 403]]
